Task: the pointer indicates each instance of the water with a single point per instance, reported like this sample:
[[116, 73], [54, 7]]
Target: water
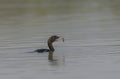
[[92, 39]]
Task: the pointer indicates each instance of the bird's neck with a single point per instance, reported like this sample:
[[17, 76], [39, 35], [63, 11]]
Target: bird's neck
[[50, 45]]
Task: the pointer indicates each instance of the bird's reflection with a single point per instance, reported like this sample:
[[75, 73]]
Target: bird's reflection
[[55, 62], [50, 56]]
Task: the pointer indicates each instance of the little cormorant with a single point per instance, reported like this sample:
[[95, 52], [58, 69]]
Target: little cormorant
[[50, 42]]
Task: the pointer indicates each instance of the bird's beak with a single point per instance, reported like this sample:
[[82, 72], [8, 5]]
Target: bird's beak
[[60, 38]]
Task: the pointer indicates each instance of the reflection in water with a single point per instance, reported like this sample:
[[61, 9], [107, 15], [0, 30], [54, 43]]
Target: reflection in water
[[55, 62], [50, 56]]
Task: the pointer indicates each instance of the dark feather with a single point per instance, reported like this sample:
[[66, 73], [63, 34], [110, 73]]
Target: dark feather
[[42, 50]]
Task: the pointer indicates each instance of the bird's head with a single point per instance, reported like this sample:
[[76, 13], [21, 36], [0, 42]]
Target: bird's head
[[55, 38]]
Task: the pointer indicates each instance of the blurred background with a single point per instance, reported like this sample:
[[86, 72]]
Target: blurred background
[[32, 20], [20, 10]]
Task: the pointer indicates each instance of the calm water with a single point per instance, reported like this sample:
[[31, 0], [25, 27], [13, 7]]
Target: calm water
[[92, 39]]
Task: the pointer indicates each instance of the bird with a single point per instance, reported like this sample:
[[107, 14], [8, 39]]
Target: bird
[[50, 42]]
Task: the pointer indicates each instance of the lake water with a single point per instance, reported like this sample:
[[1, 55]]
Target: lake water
[[92, 39]]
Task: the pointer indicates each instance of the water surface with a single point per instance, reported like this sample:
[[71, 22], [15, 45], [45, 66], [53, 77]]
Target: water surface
[[92, 39]]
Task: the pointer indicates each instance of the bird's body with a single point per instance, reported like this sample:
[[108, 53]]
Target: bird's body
[[50, 42], [42, 50]]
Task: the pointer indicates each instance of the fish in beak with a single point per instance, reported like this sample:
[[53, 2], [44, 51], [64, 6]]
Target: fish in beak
[[60, 38]]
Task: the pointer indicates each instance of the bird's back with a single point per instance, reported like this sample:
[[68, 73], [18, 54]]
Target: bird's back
[[42, 50]]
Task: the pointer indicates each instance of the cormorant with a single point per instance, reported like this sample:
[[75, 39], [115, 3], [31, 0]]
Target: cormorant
[[50, 42]]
